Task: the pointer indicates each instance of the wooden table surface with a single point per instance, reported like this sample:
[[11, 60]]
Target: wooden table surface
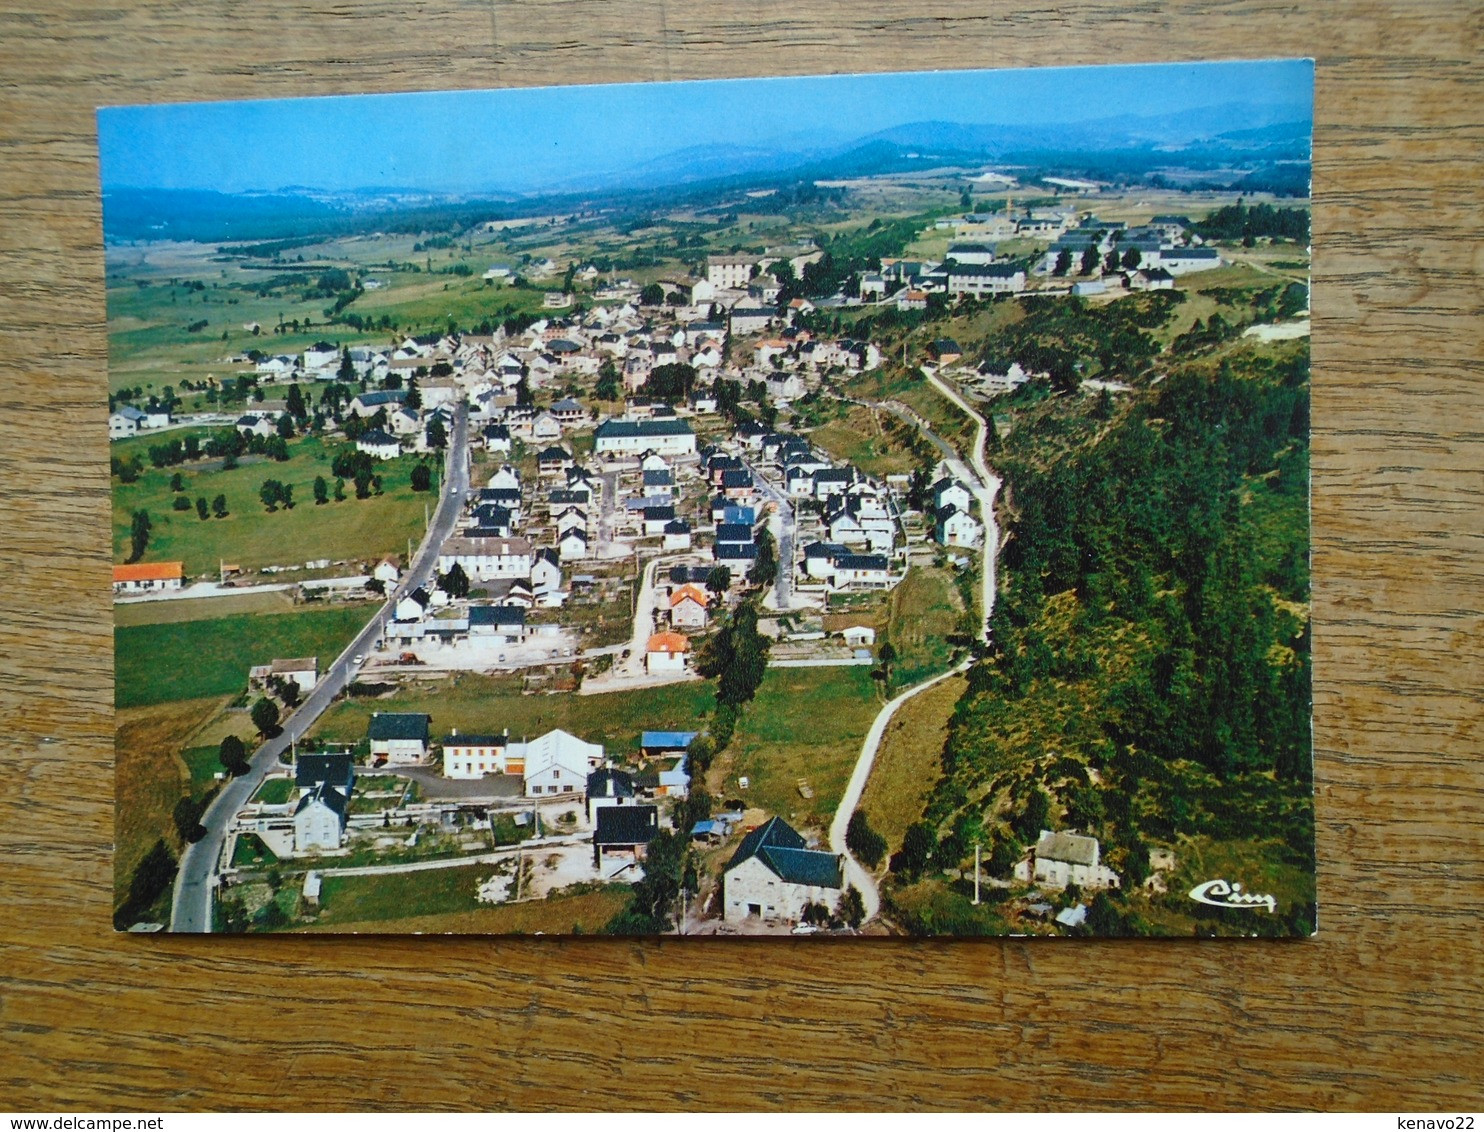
[[1380, 1011]]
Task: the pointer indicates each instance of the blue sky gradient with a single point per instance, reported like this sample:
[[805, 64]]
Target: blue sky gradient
[[521, 140]]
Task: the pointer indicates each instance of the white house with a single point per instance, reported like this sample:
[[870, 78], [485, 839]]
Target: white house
[[985, 279], [379, 445], [677, 535], [546, 571], [608, 788], [387, 571], [485, 558], [774, 876], [670, 437], [505, 476], [730, 272], [957, 528], [148, 577], [950, 493], [666, 652], [572, 545], [1060, 859], [688, 608], [319, 820], [125, 421], [556, 763], [474, 756]]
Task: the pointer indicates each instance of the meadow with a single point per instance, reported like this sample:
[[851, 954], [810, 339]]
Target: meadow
[[191, 659], [253, 537]]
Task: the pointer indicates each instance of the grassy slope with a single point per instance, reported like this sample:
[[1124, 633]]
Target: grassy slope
[[200, 609], [925, 609], [149, 777], [908, 763], [188, 660], [475, 703], [805, 723], [857, 438], [443, 900], [249, 535]]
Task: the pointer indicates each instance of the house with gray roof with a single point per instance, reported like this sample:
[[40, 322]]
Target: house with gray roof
[[774, 876], [1060, 858], [398, 736]]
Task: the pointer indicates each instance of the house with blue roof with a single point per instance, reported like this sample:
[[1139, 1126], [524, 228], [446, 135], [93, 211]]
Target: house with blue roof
[[665, 744], [774, 876]]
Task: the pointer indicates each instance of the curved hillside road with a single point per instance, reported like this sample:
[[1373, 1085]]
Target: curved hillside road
[[985, 490], [191, 907], [856, 873]]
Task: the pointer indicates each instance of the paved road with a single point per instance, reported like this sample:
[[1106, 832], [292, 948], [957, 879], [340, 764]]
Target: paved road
[[855, 872], [985, 485], [783, 587], [194, 884]]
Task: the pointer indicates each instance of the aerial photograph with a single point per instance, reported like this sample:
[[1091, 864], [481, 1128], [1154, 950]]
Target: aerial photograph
[[819, 507]]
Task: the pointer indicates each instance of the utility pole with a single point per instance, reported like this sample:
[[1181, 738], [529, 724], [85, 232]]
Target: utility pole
[[976, 873]]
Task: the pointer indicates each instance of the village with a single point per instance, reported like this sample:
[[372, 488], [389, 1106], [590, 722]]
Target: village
[[614, 480]]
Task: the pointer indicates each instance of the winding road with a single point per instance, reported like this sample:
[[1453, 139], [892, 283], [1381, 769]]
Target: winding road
[[985, 486], [195, 882]]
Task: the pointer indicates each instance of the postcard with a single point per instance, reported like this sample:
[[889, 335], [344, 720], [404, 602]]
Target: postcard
[[838, 506]]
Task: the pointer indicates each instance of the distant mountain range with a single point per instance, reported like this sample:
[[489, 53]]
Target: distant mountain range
[[1254, 137]]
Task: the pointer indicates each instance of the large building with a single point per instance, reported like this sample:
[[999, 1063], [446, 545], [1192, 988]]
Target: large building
[[486, 558], [985, 279], [630, 438], [730, 272], [774, 876]]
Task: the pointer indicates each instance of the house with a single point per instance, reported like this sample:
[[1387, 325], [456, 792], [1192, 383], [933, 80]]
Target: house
[[985, 279], [750, 319], [569, 412], [1180, 261], [666, 653], [657, 518], [624, 830], [387, 571], [412, 606], [484, 558], [553, 461], [336, 771], [949, 492], [379, 445], [953, 527], [736, 484], [665, 744], [319, 820], [497, 438], [545, 427], [976, 255], [505, 476], [370, 403], [556, 763], [546, 570], [630, 438], [1086, 287], [912, 300], [257, 424], [572, 545], [1150, 279], [474, 756], [861, 571], [398, 737], [676, 535], [571, 519], [688, 608], [946, 351], [608, 788], [126, 421], [303, 671], [774, 876], [148, 577], [1060, 859], [658, 481], [730, 272], [859, 636], [504, 623]]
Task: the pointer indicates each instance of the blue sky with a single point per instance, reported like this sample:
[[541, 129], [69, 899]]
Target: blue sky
[[468, 141]]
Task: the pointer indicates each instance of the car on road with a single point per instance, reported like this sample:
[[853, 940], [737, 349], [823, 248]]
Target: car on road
[[360, 658]]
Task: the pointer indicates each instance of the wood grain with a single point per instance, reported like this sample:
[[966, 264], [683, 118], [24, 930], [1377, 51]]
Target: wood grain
[[1380, 1011]]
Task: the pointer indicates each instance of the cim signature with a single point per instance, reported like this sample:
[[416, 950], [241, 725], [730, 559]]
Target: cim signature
[[1220, 894]]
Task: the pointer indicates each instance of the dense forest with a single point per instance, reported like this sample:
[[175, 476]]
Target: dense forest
[[1148, 678]]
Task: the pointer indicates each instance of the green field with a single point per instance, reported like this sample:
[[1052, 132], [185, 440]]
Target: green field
[[443, 900], [925, 609], [252, 537], [859, 438], [275, 791], [475, 703], [192, 659], [201, 609], [805, 723]]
